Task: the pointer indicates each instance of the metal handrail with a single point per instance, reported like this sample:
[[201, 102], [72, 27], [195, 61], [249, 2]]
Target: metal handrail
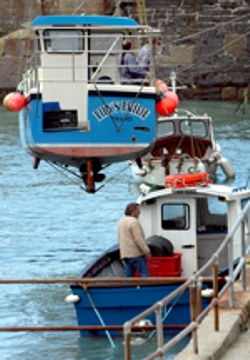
[[190, 283], [31, 79], [185, 283]]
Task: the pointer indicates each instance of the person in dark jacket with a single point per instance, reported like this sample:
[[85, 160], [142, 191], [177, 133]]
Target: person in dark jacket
[[129, 71]]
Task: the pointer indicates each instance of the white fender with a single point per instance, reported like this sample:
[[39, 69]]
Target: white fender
[[227, 167], [200, 167], [207, 292], [71, 299], [217, 148], [140, 172], [144, 189]]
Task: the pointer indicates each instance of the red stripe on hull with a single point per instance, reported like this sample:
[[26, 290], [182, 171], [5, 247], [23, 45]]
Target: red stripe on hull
[[92, 152]]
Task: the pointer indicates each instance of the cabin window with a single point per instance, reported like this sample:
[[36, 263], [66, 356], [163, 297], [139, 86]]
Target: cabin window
[[244, 202], [175, 217], [165, 129], [106, 43], [104, 49], [211, 215], [64, 40], [193, 128]]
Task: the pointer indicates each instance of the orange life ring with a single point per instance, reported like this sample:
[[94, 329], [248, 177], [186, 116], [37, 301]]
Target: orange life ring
[[187, 180]]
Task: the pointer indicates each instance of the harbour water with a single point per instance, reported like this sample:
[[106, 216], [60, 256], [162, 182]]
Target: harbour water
[[51, 228]]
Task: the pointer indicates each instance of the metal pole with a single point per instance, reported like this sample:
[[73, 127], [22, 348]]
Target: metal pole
[[199, 297], [230, 272], [215, 286], [127, 335], [159, 329], [193, 316], [243, 251]]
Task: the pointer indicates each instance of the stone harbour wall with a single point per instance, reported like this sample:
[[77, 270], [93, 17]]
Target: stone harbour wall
[[206, 42]]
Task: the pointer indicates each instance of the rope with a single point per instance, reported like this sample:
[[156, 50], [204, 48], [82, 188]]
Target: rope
[[210, 29], [104, 103], [136, 97], [86, 6], [99, 317], [216, 51], [62, 170], [121, 171], [166, 315]]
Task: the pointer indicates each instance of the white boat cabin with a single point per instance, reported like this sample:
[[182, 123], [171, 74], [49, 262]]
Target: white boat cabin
[[195, 220], [73, 54]]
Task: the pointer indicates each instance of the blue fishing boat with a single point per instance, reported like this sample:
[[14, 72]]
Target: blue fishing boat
[[74, 111], [184, 223]]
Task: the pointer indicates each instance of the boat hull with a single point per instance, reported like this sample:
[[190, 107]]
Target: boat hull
[[115, 305], [122, 129]]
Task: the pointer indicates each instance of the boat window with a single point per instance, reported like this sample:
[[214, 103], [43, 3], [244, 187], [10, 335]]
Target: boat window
[[63, 40], [216, 207], [103, 43], [211, 215], [175, 217], [244, 202], [193, 128], [165, 129]]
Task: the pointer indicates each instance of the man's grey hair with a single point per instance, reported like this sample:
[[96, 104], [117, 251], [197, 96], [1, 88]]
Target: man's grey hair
[[130, 208]]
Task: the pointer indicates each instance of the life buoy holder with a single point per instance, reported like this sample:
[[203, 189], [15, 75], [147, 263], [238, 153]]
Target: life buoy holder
[[187, 180]]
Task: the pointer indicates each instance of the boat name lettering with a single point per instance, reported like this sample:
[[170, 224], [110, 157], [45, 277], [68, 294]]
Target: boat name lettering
[[125, 107], [189, 191]]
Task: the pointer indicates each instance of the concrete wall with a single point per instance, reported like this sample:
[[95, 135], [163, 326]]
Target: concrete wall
[[207, 42]]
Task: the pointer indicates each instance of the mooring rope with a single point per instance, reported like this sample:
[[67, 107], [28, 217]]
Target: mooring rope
[[99, 316], [166, 314]]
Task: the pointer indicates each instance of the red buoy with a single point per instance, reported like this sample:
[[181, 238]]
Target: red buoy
[[160, 86], [6, 101], [14, 101], [168, 104]]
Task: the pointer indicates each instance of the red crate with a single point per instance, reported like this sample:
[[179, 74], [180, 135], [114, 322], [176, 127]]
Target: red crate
[[165, 265]]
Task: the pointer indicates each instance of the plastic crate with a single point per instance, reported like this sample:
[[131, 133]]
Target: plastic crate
[[165, 266]]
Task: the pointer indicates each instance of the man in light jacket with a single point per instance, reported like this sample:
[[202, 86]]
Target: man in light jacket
[[146, 55], [133, 248]]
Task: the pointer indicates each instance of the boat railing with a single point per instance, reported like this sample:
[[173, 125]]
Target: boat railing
[[194, 284], [65, 58]]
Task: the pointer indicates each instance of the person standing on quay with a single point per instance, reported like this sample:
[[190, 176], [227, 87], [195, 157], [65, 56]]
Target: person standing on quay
[[133, 248]]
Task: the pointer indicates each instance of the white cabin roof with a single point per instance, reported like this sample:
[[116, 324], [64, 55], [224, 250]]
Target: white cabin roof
[[216, 190]]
